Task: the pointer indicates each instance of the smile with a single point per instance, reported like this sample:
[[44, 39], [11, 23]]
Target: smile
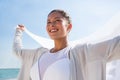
[[53, 30]]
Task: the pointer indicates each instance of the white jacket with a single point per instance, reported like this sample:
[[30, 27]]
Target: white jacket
[[87, 61]]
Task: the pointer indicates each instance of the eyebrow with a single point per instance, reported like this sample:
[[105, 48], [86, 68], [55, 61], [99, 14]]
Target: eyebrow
[[57, 17]]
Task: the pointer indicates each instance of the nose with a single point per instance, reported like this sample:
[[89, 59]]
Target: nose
[[53, 24]]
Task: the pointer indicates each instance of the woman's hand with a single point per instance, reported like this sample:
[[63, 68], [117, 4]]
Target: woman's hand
[[21, 27]]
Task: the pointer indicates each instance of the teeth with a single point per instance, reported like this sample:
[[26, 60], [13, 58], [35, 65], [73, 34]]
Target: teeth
[[54, 30]]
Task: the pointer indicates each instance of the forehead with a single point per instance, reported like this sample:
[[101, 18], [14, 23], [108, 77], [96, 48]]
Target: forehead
[[55, 15]]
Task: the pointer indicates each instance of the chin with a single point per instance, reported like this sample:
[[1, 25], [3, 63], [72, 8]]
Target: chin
[[54, 38]]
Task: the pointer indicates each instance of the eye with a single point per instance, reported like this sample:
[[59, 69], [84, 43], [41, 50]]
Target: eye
[[57, 21], [48, 22]]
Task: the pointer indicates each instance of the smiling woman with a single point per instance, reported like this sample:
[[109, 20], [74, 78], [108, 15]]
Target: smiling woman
[[58, 24], [85, 61]]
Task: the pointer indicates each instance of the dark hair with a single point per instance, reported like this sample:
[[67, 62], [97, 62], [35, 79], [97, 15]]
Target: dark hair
[[63, 13]]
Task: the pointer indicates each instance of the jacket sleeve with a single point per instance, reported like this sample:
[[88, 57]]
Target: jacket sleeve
[[17, 47], [109, 49]]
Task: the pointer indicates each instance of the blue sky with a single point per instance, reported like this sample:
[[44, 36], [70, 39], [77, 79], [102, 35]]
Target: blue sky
[[87, 17]]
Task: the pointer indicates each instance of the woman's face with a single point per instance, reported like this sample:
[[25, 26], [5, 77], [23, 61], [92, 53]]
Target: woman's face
[[57, 26]]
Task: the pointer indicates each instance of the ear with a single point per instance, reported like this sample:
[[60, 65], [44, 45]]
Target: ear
[[69, 27]]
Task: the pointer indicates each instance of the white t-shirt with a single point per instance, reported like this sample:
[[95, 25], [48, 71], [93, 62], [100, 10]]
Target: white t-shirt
[[52, 66]]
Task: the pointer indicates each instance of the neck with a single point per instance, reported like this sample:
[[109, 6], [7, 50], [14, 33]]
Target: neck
[[59, 44]]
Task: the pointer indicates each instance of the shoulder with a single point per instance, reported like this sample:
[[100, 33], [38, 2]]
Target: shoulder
[[79, 47]]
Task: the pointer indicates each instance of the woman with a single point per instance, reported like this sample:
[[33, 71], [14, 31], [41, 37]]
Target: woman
[[65, 62]]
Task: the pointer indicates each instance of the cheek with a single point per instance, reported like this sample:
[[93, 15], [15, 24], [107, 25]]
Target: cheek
[[65, 26], [47, 29], [64, 30]]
